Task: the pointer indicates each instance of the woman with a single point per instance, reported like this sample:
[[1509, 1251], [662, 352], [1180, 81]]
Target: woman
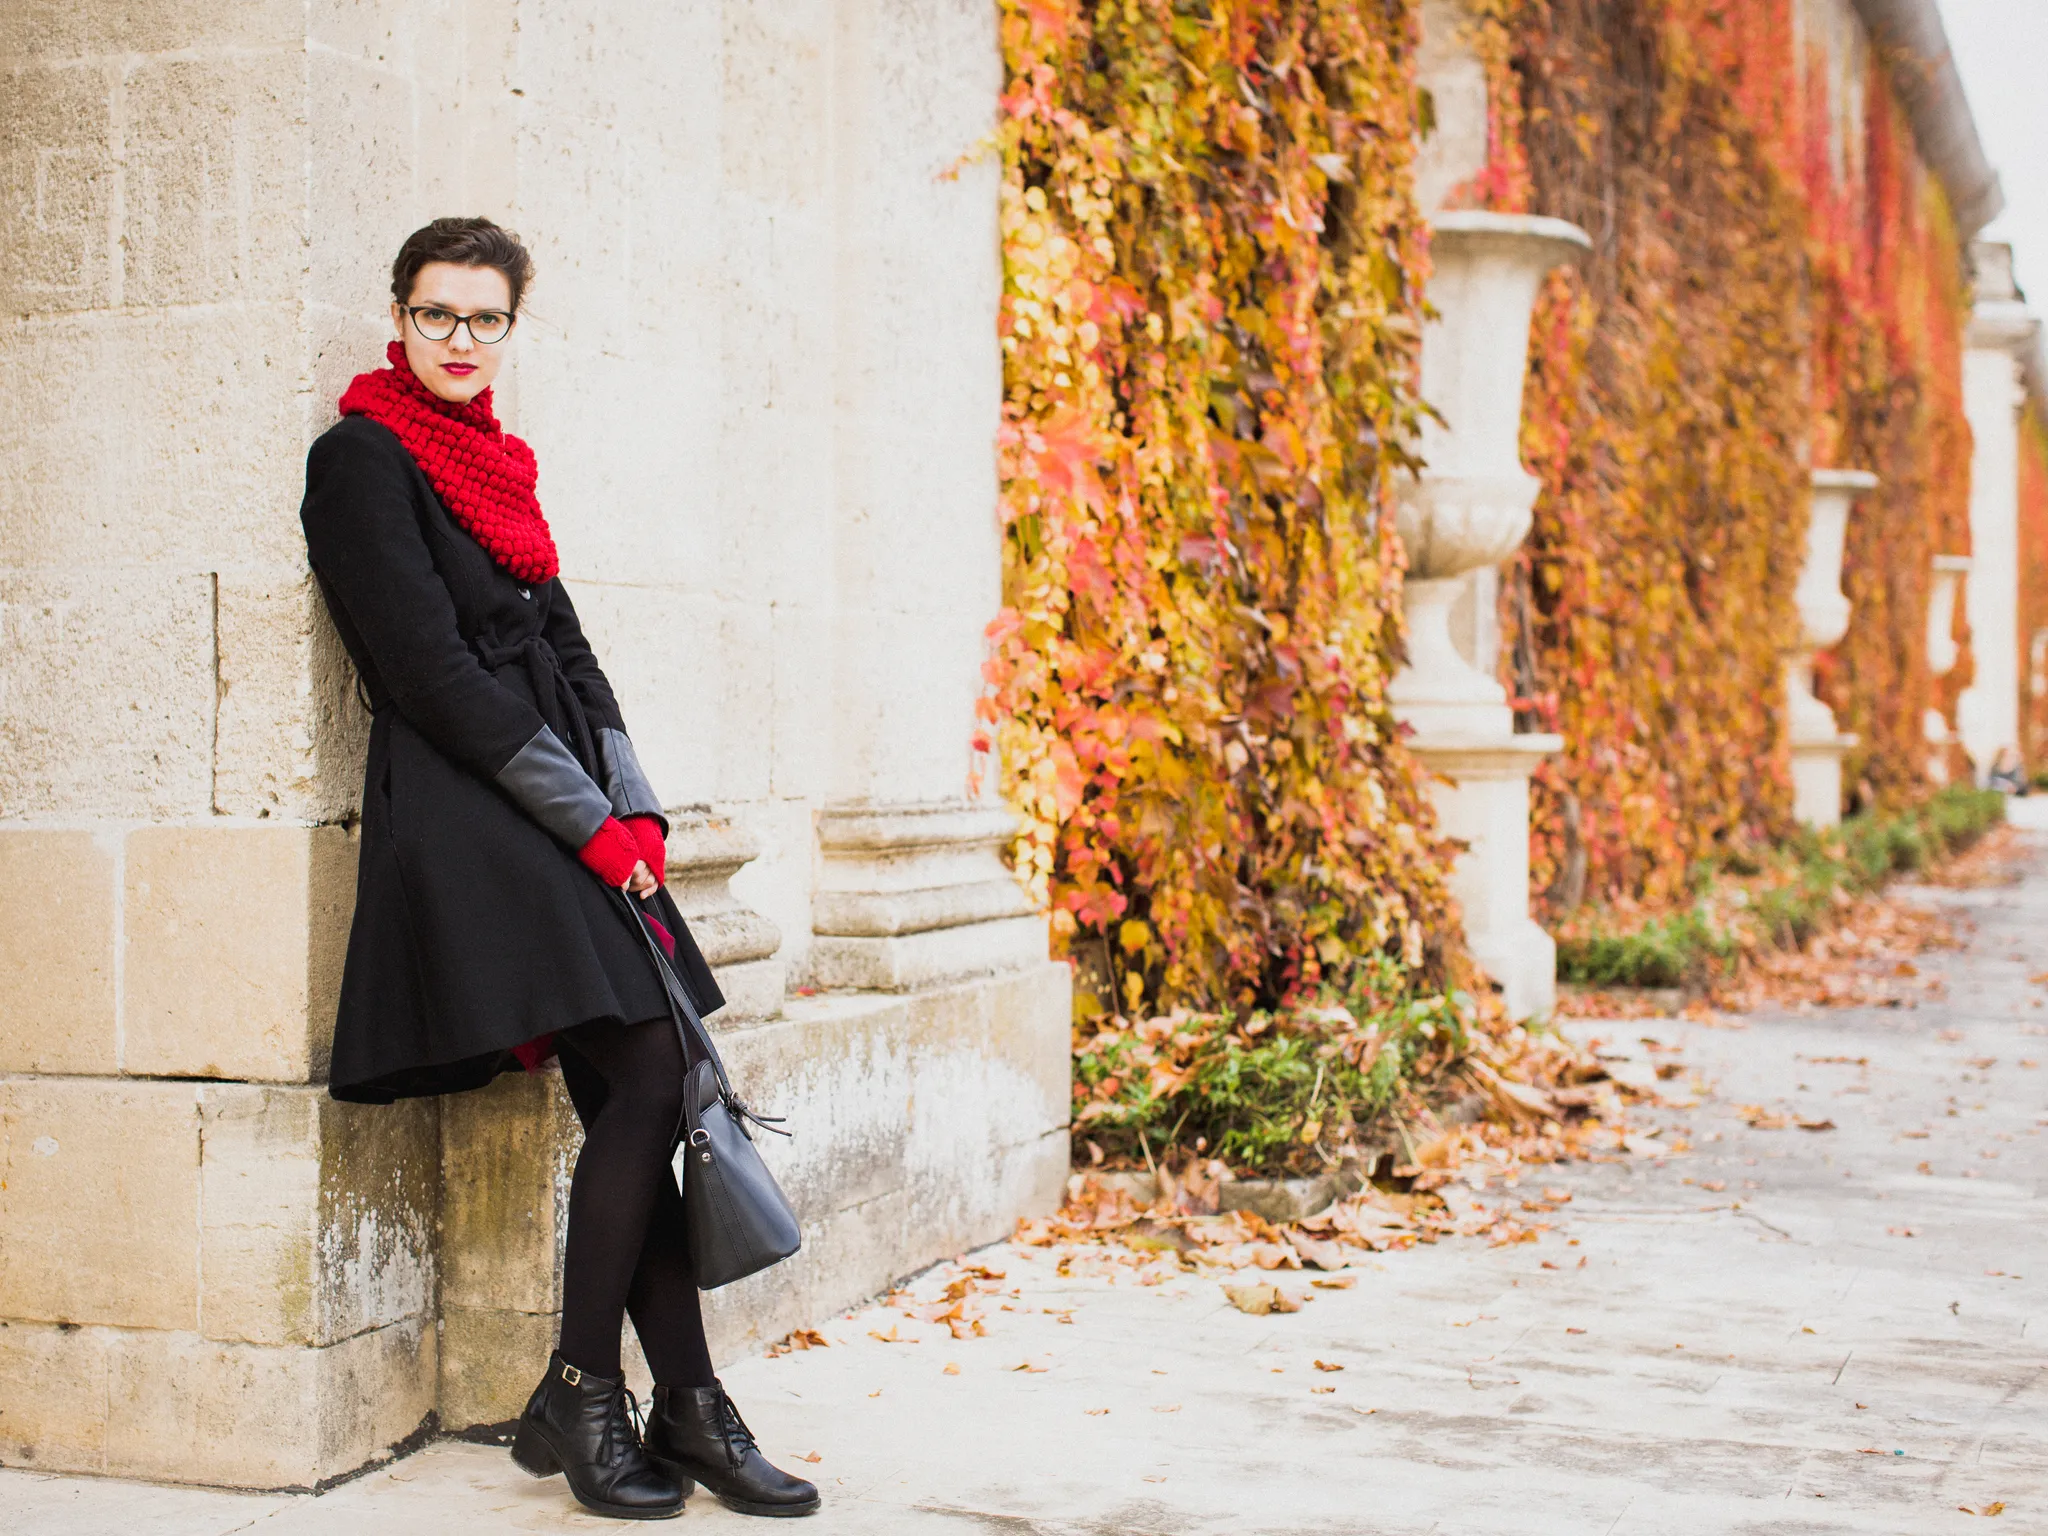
[[501, 799]]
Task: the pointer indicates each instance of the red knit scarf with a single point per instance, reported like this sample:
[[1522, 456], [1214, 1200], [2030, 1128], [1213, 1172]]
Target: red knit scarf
[[483, 475]]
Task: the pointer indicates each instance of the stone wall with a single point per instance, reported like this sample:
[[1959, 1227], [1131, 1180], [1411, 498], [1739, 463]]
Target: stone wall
[[760, 370]]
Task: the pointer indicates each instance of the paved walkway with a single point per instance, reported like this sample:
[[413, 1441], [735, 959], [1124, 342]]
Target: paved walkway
[[1778, 1331]]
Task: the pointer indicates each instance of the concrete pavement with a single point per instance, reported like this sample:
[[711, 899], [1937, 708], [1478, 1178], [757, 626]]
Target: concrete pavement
[[1779, 1330]]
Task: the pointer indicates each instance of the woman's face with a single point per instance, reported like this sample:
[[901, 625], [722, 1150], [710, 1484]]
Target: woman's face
[[458, 369]]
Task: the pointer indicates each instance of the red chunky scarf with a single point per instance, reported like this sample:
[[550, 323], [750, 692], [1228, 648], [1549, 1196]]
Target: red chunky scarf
[[483, 475]]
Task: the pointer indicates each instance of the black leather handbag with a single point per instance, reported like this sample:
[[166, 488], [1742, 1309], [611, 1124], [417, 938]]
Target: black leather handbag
[[739, 1221]]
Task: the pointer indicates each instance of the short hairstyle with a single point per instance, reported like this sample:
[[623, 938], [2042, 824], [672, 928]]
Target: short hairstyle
[[466, 243]]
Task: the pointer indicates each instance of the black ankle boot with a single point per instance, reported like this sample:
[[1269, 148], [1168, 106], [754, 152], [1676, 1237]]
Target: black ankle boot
[[580, 1425], [695, 1432]]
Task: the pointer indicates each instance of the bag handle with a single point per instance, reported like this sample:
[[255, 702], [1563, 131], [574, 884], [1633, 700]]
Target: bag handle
[[682, 1009]]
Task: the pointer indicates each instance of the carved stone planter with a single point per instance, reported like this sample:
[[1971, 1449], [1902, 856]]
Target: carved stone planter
[[1467, 511], [1818, 744], [1942, 653]]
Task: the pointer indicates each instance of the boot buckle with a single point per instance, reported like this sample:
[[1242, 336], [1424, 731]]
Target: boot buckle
[[571, 1375]]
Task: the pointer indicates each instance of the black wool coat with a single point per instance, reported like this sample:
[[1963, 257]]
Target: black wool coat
[[496, 751]]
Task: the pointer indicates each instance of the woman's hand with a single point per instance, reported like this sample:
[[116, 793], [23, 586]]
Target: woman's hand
[[642, 882]]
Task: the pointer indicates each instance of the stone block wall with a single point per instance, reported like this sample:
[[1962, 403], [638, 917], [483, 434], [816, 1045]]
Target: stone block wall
[[760, 371]]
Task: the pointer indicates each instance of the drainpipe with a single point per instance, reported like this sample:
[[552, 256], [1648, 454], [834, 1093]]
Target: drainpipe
[[1912, 42]]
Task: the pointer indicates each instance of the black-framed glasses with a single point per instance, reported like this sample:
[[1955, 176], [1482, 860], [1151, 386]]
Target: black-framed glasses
[[487, 327]]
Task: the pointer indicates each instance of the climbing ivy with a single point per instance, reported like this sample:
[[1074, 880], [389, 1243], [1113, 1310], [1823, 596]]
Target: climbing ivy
[[1773, 286], [2033, 589], [1213, 271]]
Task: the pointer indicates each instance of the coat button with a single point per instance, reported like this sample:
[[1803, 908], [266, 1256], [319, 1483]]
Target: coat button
[[527, 593]]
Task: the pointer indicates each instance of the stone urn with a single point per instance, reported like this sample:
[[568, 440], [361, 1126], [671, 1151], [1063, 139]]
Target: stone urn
[[1469, 508], [1942, 654], [1818, 744], [1464, 513]]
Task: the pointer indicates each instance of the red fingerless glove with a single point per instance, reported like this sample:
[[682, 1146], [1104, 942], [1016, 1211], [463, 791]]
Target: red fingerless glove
[[647, 833], [611, 854]]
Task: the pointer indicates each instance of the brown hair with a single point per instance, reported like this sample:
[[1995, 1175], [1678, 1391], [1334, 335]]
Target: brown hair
[[466, 243]]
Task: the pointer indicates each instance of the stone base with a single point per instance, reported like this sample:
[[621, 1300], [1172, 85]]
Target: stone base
[[173, 1407], [925, 1124], [1482, 799], [904, 962], [1522, 958], [914, 896], [1817, 780]]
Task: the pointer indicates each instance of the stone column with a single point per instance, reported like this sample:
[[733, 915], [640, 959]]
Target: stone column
[[2002, 331], [1818, 746], [209, 1271], [1466, 512], [1942, 655], [911, 890]]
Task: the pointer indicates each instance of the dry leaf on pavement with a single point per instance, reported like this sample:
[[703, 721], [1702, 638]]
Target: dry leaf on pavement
[[1259, 1300]]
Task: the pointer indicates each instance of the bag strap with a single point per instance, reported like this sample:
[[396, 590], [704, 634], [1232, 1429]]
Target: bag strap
[[690, 1023]]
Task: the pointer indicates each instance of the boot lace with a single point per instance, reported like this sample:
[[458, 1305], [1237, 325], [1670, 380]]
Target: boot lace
[[623, 1431], [738, 1438]]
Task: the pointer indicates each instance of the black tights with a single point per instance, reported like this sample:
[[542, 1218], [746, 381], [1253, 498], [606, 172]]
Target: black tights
[[626, 1250]]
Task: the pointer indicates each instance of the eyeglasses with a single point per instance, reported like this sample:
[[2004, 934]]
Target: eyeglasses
[[487, 327]]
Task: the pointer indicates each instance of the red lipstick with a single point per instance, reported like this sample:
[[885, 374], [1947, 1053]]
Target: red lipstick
[[460, 370]]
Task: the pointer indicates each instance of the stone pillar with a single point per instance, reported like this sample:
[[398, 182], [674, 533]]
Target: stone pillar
[[1942, 655], [2002, 330], [760, 370], [1818, 746], [209, 1271], [1465, 513], [911, 891]]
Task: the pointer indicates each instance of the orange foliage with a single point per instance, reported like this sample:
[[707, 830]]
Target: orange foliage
[[1775, 284], [2034, 588], [1209, 322]]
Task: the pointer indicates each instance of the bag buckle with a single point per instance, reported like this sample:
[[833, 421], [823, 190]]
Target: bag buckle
[[699, 1137]]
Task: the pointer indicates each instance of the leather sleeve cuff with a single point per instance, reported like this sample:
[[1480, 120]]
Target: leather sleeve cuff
[[545, 781], [627, 786]]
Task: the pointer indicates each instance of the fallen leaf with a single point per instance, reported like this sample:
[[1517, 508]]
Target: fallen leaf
[[1322, 1389], [1997, 1508], [801, 1338], [876, 1393], [1096, 1413], [1575, 1330], [1816, 1125], [892, 1337], [1258, 1300], [1902, 1232], [1155, 1479], [1335, 1283], [1166, 1407], [1028, 1366], [814, 1456], [1322, 1254], [952, 1369], [1327, 1365]]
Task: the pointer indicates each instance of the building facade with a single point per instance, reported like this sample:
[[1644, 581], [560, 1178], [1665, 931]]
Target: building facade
[[759, 368]]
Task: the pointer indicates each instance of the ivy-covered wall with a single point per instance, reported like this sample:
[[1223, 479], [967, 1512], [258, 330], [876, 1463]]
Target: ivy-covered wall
[[1215, 269], [1777, 285], [1214, 277]]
